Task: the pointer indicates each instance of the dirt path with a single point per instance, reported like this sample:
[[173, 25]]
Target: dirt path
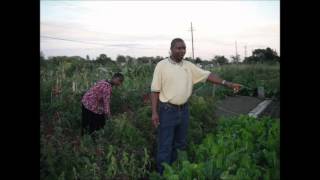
[[236, 105]]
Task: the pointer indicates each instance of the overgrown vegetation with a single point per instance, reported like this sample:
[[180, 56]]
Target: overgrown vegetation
[[240, 148], [125, 148]]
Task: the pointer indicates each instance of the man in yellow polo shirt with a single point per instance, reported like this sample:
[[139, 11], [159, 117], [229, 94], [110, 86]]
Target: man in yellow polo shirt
[[171, 87]]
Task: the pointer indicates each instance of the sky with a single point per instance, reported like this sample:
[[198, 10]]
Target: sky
[[146, 28]]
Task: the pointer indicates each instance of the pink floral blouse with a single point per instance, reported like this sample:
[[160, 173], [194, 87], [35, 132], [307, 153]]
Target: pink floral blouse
[[97, 98]]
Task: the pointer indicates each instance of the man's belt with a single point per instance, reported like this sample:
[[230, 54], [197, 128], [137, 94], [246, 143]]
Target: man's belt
[[174, 105]]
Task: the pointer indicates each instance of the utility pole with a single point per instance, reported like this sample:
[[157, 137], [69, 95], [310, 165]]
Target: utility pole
[[236, 52], [192, 41], [236, 48], [245, 51]]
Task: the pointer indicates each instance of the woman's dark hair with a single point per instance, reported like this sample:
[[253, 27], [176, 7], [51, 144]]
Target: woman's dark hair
[[174, 41], [118, 75]]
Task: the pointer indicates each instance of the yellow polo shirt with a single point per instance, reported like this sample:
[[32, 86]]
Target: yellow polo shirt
[[174, 81]]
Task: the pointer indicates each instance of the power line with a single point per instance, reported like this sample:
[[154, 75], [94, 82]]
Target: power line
[[71, 40]]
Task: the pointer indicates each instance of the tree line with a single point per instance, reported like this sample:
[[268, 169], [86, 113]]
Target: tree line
[[267, 56]]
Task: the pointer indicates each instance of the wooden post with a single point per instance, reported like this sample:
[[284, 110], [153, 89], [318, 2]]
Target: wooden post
[[73, 86], [213, 90], [261, 92]]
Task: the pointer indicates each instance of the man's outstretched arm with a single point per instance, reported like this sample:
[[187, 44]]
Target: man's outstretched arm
[[214, 79]]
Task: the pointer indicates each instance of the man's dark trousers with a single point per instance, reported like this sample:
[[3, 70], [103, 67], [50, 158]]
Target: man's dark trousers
[[172, 132]]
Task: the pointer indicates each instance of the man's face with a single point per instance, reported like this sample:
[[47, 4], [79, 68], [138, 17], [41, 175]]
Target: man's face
[[178, 51]]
